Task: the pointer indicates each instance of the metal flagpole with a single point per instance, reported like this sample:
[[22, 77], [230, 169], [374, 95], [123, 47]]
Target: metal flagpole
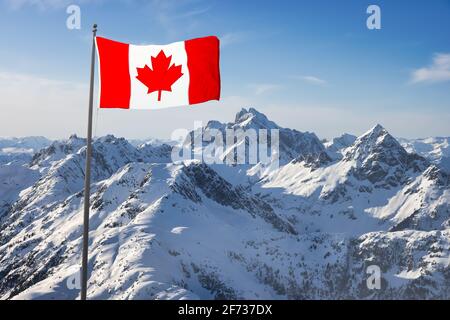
[[87, 176]]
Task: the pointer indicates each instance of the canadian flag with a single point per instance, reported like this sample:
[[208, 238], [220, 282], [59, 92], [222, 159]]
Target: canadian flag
[[158, 76]]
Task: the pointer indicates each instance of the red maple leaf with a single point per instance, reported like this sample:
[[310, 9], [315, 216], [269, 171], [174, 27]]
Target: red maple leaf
[[162, 77]]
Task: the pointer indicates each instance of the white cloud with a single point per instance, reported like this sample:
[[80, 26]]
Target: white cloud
[[262, 88], [193, 13], [178, 16], [231, 38], [438, 71], [311, 80], [30, 104]]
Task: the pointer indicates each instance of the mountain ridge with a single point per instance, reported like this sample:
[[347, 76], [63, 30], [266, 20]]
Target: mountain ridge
[[187, 230]]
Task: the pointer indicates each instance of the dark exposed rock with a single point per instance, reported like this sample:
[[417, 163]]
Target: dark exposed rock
[[382, 160], [218, 189]]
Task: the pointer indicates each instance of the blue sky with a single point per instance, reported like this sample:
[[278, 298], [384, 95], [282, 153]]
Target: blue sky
[[310, 65]]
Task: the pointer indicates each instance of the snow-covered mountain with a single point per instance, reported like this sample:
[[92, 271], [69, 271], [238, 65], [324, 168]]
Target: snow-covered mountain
[[34, 143], [20, 150], [308, 229], [293, 144], [336, 146], [437, 149], [151, 141]]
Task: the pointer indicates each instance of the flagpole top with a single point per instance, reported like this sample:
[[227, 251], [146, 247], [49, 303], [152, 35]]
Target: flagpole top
[[94, 28]]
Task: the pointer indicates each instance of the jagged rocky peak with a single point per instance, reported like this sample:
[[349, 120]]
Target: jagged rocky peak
[[381, 159], [112, 142], [58, 150], [115, 151], [74, 142], [119, 151], [294, 145], [214, 124], [110, 138], [73, 136], [244, 119], [436, 174], [252, 118], [376, 141], [107, 146]]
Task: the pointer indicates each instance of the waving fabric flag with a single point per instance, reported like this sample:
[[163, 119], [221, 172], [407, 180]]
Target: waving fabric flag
[[158, 76]]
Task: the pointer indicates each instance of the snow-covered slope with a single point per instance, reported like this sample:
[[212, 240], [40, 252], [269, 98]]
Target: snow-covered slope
[[336, 146], [14, 178], [187, 230], [376, 186], [436, 149]]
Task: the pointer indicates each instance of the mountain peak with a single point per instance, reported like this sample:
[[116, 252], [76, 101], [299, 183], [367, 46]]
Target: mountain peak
[[244, 114], [252, 118], [378, 130], [73, 136], [381, 159], [377, 135], [376, 140], [108, 138]]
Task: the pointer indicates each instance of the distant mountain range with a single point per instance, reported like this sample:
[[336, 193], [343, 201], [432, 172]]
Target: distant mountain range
[[21, 149], [308, 229]]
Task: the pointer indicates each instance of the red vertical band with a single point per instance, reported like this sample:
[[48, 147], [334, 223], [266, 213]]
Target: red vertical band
[[203, 65], [115, 84]]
